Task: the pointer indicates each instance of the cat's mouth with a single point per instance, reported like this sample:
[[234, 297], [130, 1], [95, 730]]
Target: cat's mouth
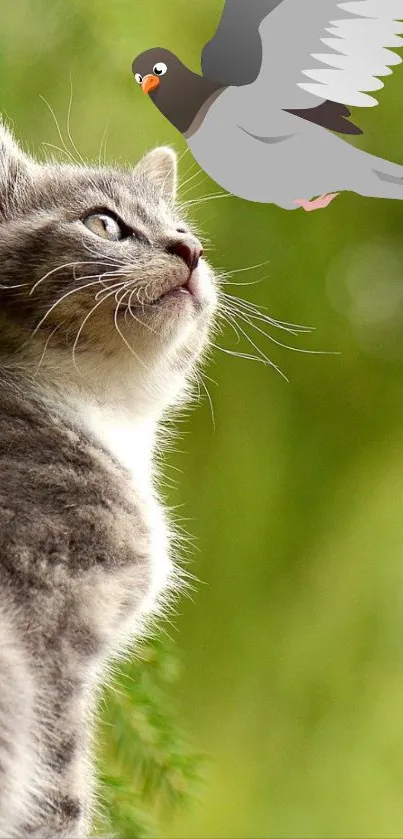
[[174, 288], [171, 293], [178, 288]]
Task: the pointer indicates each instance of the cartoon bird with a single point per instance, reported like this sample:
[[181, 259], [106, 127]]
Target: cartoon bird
[[264, 118]]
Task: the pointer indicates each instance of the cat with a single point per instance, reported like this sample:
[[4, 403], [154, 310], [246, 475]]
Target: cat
[[106, 306]]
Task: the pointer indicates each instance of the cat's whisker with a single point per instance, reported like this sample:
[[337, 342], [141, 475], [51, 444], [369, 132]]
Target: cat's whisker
[[69, 124], [17, 285], [87, 317], [266, 319], [130, 310], [146, 294], [184, 153], [213, 197], [46, 346], [59, 300], [57, 148], [241, 355], [259, 350], [280, 343], [106, 285], [278, 324], [210, 379], [186, 175], [197, 380], [107, 294], [137, 357], [172, 198], [107, 260], [247, 268], [222, 280], [60, 268], [183, 199], [222, 314], [48, 105], [111, 274], [119, 285], [102, 160], [121, 289], [96, 251], [187, 182], [200, 380], [257, 313], [99, 259]]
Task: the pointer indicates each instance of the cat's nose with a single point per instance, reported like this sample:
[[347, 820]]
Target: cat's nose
[[189, 249]]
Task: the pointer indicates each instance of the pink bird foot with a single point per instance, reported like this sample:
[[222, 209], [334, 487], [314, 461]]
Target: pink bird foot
[[318, 203]]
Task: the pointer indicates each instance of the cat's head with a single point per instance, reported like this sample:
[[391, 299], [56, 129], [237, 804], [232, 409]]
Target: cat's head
[[103, 285]]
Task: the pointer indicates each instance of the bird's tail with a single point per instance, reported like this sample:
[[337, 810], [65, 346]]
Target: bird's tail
[[388, 178], [383, 179]]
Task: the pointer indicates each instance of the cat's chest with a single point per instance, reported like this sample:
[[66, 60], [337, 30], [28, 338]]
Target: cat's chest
[[130, 443]]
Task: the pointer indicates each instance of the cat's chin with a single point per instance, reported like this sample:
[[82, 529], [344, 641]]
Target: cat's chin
[[175, 306]]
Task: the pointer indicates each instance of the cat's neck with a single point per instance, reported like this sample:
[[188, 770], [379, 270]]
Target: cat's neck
[[121, 405], [119, 419], [128, 437], [119, 426]]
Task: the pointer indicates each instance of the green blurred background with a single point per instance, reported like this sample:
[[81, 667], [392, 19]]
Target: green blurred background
[[291, 649]]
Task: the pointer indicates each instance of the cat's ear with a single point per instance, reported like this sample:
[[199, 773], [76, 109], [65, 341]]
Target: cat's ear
[[14, 170], [160, 166]]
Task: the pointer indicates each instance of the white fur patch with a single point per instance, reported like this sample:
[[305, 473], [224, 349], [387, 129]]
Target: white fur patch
[[131, 442]]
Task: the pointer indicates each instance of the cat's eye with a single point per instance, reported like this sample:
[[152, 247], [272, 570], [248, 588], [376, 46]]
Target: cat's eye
[[160, 68], [105, 226], [138, 78]]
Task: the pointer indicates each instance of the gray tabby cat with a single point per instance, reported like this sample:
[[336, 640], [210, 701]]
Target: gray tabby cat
[[105, 307]]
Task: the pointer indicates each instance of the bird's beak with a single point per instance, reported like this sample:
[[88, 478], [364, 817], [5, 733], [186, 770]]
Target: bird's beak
[[149, 83]]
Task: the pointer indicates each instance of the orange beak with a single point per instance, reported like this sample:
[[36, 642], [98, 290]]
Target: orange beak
[[149, 83]]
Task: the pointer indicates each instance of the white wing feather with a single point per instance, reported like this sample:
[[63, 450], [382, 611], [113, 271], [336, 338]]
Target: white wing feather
[[358, 37]]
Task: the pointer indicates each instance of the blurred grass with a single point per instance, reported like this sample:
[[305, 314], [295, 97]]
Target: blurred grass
[[292, 648]]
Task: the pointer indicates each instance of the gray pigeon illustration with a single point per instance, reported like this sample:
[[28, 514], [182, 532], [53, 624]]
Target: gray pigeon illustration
[[278, 78]]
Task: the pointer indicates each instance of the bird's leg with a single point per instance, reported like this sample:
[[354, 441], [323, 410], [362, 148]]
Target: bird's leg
[[317, 203]]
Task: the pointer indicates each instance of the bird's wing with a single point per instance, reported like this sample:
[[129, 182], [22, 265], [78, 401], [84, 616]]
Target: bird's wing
[[234, 54], [327, 50]]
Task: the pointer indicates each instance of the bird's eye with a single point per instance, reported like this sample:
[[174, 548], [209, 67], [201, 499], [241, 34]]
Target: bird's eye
[[138, 78], [160, 68], [105, 226]]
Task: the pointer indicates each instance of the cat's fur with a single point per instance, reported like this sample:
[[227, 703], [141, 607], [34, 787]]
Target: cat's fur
[[84, 550]]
